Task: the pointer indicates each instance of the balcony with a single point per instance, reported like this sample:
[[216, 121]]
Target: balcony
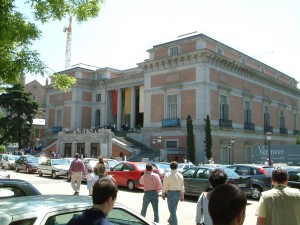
[[170, 123], [268, 129], [283, 130], [296, 132], [225, 123], [249, 126]]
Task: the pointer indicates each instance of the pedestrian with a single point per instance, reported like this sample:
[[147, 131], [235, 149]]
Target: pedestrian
[[104, 196], [267, 162], [109, 176], [77, 170], [227, 205], [173, 190], [152, 186], [100, 169], [216, 178], [281, 204], [90, 180]]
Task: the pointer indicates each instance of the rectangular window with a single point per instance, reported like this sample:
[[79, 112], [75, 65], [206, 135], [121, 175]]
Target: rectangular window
[[262, 69], [247, 112], [295, 121], [282, 119], [172, 106], [174, 51], [171, 144], [219, 50], [98, 97], [224, 108], [224, 155], [266, 116], [59, 118]]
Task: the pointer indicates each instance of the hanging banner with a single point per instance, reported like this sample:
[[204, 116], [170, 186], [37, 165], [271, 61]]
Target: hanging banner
[[115, 103], [127, 100], [141, 101]]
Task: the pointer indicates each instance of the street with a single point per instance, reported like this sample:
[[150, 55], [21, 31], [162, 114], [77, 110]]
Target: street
[[185, 213]]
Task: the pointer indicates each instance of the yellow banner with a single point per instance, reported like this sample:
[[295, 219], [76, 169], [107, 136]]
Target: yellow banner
[[141, 102], [127, 100]]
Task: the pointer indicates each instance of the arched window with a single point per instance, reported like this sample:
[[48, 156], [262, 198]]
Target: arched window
[[97, 118]]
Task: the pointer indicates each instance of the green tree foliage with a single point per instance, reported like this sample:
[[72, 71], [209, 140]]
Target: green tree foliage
[[297, 140], [17, 34], [20, 110], [2, 149], [207, 139], [190, 139]]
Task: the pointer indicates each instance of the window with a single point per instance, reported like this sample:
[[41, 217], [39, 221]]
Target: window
[[224, 155], [174, 51], [59, 117], [282, 119], [36, 133], [172, 106], [248, 154], [295, 121], [98, 97], [262, 69], [224, 108], [62, 219], [219, 50], [171, 144], [97, 118], [247, 112], [120, 216], [266, 116]]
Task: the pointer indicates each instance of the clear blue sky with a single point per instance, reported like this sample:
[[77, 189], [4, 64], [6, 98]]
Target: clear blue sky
[[267, 30]]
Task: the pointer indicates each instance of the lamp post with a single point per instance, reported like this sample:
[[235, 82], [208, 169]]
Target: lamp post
[[269, 137], [159, 141], [232, 143], [75, 145], [153, 145], [229, 149]]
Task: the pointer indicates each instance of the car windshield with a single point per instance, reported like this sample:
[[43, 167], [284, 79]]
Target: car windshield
[[60, 162], [32, 160], [142, 166], [230, 173], [13, 157], [163, 166]]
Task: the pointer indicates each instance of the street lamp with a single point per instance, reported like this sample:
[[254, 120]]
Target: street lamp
[[159, 141], [229, 149], [269, 137], [153, 143], [232, 143]]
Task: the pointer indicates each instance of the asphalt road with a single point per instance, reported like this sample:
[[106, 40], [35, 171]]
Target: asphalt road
[[186, 210]]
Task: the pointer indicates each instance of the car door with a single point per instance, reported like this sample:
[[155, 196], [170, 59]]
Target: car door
[[200, 182], [188, 176], [117, 173], [128, 174], [5, 162], [42, 167]]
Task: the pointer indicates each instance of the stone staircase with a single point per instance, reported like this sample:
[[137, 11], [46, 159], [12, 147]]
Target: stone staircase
[[145, 152]]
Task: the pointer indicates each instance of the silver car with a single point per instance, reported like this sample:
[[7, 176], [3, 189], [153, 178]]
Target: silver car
[[9, 161], [58, 210], [54, 167]]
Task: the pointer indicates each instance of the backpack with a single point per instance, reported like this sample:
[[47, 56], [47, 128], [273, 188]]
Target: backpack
[[99, 169]]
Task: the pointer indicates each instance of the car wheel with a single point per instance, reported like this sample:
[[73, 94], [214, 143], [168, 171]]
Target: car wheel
[[40, 173], [54, 175], [256, 192], [27, 170], [130, 185], [17, 169]]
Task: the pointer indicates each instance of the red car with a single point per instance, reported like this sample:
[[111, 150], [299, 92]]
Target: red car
[[128, 174]]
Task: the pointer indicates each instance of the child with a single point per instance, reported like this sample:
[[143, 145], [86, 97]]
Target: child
[[108, 176], [90, 180]]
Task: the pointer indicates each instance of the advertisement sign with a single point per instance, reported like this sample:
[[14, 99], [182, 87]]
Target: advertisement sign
[[289, 154]]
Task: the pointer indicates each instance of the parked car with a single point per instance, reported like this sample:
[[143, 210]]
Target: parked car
[[183, 166], [261, 176], [111, 163], [196, 180], [16, 188], [128, 174], [4, 174], [59, 210], [28, 163], [54, 167], [163, 167], [9, 161], [2, 155], [294, 177]]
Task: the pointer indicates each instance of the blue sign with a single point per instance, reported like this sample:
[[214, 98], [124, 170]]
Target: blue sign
[[170, 122], [56, 129]]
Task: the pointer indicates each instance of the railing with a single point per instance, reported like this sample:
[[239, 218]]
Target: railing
[[249, 126], [225, 123], [268, 128], [283, 130]]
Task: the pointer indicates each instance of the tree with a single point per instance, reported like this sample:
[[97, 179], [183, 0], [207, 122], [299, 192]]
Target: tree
[[190, 139], [297, 140], [207, 139], [20, 110], [17, 34], [2, 149]]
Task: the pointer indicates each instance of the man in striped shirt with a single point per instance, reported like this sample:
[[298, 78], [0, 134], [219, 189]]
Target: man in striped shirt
[[77, 169], [152, 186]]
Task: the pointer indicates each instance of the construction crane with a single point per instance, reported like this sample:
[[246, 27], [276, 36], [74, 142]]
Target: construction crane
[[68, 43]]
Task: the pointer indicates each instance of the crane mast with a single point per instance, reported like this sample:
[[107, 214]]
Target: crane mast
[[68, 43]]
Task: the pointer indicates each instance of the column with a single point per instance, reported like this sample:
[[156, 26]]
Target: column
[[119, 115], [132, 113]]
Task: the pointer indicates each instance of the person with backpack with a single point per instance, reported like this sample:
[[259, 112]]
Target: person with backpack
[[100, 170]]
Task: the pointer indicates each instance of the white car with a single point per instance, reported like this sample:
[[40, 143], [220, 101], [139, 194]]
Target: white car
[[9, 161], [54, 167], [184, 166], [59, 210]]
